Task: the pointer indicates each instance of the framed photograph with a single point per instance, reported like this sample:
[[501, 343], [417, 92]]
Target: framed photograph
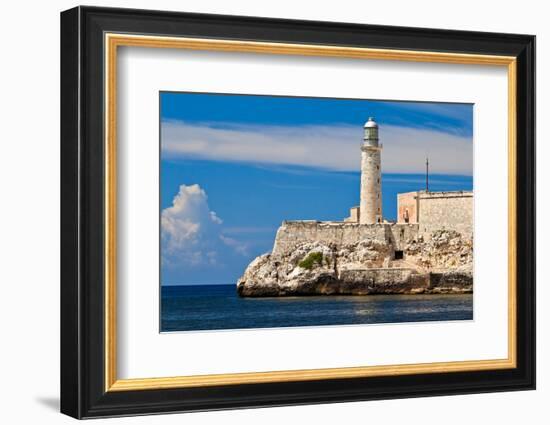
[[261, 212]]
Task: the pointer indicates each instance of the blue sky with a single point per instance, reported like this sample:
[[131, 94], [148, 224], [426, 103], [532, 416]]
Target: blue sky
[[234, 166], [273, 110]]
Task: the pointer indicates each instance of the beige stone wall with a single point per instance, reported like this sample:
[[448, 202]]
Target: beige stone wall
[[407, 206], [292, 233], [446, 211], [401, 234], [353, 215], [435, 211]]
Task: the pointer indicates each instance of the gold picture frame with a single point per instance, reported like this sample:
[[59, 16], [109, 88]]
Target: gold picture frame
[[114, 41]]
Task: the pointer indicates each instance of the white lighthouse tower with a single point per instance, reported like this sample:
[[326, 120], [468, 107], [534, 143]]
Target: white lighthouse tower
[[370, 207]]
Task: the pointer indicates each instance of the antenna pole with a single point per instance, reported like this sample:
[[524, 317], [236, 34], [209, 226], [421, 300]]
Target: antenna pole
[[427, 174]]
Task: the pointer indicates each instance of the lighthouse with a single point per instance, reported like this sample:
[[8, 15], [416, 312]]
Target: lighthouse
[[370, 207]]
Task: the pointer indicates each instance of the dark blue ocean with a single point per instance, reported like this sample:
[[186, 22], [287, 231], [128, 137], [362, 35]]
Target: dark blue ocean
[[210, 307]]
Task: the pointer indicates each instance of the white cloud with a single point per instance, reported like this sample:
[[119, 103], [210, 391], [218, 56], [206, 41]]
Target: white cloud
[[334, 147], [188, 227], [191, 233]]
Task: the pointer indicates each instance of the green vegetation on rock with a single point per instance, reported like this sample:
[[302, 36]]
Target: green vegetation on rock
[[311, 259]]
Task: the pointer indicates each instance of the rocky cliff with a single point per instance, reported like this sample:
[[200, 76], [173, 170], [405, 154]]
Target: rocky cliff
[[437, 263]]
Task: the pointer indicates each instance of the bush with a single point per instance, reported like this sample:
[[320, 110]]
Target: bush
[[311, 259]]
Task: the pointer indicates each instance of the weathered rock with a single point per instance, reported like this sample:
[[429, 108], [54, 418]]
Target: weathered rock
[[445, 249], [440, 264]]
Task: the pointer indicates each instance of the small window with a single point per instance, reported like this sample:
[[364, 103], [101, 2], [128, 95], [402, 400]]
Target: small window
[[398, 255]]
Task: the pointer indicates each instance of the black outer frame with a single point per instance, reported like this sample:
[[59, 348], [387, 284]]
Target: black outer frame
[[82, 219]]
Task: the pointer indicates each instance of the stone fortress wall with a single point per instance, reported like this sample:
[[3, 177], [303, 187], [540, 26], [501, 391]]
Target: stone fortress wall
[[339, 234], [427, 212], [437, 211]]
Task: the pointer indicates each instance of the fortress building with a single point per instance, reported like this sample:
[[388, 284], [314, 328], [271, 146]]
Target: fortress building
[[432, 211], [428, 249]]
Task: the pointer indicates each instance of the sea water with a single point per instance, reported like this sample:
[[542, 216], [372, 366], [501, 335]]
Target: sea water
[[211, 307]]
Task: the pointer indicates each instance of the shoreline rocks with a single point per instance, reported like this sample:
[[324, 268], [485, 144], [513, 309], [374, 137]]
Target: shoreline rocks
[[441, 264]]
